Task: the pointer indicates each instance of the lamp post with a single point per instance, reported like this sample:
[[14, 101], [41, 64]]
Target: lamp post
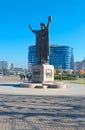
[[61, 72]]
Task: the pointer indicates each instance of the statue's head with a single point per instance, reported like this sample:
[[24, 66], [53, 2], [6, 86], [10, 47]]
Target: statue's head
[[42, 25]]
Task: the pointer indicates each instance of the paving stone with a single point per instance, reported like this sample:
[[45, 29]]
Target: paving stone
[[42, 112]]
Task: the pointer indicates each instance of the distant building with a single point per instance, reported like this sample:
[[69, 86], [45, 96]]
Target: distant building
[[83, 65], [79, 65], [4, 65], [12, 66], [60, 56]]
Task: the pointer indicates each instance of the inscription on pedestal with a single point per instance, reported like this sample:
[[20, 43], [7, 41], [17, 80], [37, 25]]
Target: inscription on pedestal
[[36, 73], [48, 73]]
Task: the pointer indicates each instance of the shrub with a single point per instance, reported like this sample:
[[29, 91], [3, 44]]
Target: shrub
[[64, 77]]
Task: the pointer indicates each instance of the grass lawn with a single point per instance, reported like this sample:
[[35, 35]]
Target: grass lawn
[[79, 81]]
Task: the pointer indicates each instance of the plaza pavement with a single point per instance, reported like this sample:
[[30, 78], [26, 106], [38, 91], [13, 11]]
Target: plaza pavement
[[41, 109]]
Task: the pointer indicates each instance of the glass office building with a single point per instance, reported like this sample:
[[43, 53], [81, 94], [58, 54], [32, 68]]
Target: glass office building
[[64, 58], [60, 57], [32, 55]]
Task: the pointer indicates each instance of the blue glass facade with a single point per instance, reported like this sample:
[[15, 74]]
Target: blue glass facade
[[32, 55], [64, 57], [59, 56]]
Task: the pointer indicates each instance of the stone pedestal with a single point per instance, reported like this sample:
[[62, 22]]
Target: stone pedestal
[[43, 73]]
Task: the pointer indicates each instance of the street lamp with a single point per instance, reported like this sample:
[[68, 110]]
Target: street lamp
[[61, 72]]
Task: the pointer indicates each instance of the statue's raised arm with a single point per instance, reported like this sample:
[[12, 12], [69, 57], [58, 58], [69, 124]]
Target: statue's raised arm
[[31, 29], [49, 20]]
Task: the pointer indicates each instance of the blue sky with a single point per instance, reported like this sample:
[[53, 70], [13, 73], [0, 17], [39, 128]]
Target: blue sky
[[67, 26]]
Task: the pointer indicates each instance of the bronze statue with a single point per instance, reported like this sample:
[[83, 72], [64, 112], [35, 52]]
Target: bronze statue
[[42, 42]]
